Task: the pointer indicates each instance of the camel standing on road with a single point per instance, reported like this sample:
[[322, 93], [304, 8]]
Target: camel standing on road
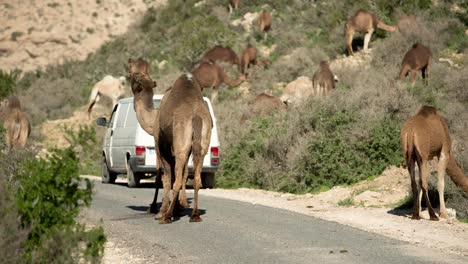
[[423, 137], [418, 58], [220, 54], [15, 122], [182, 127], [363, 22], [323, 80], [210, 75], [109, 86]]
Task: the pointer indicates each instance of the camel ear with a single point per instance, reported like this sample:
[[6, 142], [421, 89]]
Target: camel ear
[[154, 84]]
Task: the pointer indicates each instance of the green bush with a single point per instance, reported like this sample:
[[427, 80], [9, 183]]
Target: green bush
[[49, 199], [87, 148], [7, 83]]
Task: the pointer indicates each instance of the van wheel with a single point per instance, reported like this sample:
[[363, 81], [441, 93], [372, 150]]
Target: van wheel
[[208, 180], [106, 175], [133, 178]]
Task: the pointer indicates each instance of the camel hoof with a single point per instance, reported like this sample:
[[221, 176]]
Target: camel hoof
[[434, 218], [195, 218], [416, 217], [184, 204], [164, 221], [158, 216]]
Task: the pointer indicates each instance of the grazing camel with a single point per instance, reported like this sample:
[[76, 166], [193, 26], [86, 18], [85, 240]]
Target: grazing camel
[[221, 54], [248, 57], [264, 104], [323, 80], [109, 86], [233, 4], [423, 137], [418, 58], [15, 122], [363, 22], [210, 75], [264, 21]]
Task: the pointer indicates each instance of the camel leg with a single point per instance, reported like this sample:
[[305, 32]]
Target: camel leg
[[230, 9], [414, 189], [413, 76], [197, 163], [367, 38], [214, 95], [167, 182], [404, 71], [157, 182], [183, 197], [424, 187], [179, 167], [349, 41], [443, 161]]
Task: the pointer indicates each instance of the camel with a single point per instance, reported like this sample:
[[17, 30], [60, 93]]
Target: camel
[[264, 104], [233, 4], [220, 54], [297, 90], [423, 137], [15, 122], [182, 126], [109, 86], [248, 57], [264, 21], [210, 75], [323, 80], [363, 22], [418, 58], [138, 65]]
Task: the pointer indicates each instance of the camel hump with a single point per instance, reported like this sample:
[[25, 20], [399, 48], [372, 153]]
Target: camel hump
[[427, 110]]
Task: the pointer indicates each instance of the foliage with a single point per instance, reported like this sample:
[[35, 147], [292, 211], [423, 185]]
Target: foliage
[[7, 83], [86, 146], [49, 198]]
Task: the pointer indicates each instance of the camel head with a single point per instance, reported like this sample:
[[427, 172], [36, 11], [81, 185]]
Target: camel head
[[138, 65], [141, 83]]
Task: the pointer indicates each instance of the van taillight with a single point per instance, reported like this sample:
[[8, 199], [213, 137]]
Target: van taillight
[[214, 152], [140, 151], [214, 155]]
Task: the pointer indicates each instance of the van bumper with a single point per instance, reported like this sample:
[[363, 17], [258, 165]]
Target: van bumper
[[137, 166]]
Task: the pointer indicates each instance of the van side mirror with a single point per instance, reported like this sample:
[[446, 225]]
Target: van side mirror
[[101, 121]]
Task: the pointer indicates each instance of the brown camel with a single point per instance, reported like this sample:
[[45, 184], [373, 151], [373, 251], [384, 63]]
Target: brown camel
[[210, 75], [142, 89], [264, 104], [220, 54], [418, 58], [109, 86], [233, 4], [264, 21], [15, 122], [423, 137], [323, 80], [363, 22], [184, 127]]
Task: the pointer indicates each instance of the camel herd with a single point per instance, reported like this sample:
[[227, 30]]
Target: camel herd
[[182, 125]]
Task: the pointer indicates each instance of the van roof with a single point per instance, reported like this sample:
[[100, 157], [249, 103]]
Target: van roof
[[156, 96]]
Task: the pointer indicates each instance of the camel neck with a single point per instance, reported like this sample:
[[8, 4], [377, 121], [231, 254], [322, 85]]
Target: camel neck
[[145, 112]]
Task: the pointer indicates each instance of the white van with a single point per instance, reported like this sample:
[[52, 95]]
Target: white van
[[128, 149]]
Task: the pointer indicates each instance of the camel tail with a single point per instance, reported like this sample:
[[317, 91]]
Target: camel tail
[[16, 133], [407, 145], [386, 27], [456, 174], [93, 99], [197, 124]]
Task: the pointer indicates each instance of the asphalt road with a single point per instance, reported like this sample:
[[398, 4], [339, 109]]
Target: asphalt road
[[237, 232]]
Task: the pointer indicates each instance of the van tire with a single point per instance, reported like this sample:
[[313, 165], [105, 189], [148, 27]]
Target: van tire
[[133, 178], [208, 180], [106, 175]]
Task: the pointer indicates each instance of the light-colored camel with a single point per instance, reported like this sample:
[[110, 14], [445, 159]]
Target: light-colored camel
[[109, 86], [15, 122], [418, 58], [363, 22], [264, 104], [323, 80], [423, 137], [233, 4], [298, 90], [220, 54], [210, 75], [183, 126]]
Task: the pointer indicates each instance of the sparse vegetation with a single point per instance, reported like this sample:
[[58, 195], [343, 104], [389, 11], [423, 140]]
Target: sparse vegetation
[[346, 202], [347, 137]]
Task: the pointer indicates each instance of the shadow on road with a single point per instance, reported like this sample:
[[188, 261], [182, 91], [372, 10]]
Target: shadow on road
[[178, 213]]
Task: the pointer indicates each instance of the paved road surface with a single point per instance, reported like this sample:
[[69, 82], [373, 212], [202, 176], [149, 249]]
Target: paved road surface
[[237, 232]]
